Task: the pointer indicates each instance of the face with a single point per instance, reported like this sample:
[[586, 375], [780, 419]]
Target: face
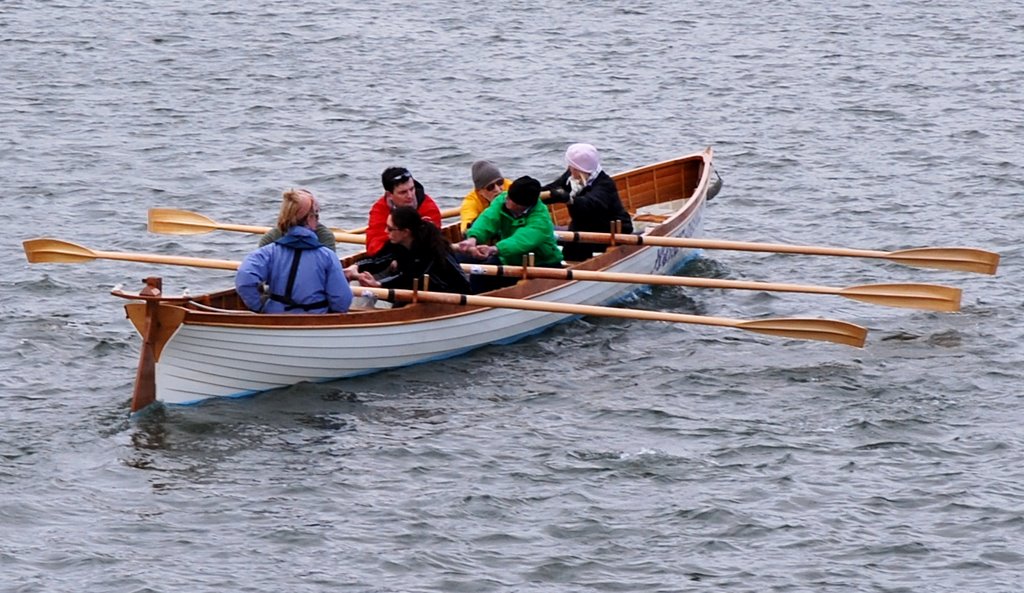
[[492, 190], [515, 208], [404, 194], [397, 235], [578, 174]]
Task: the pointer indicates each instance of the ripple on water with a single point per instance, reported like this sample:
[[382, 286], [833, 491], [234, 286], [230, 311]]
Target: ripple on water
[[600, 455]]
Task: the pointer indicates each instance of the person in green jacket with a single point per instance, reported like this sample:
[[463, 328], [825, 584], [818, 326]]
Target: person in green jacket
[[514, 225]]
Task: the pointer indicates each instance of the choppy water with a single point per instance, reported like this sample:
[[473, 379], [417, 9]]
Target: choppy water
[[604, 455]]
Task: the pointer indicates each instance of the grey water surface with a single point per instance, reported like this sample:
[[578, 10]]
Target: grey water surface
[[603, 455]]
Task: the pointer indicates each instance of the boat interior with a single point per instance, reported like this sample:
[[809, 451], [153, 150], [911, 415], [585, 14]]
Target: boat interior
[[652, 194]]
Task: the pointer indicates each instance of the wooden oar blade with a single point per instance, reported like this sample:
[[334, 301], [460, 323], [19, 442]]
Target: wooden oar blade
[[825, 330], [54, 251], [45, 250], [962, 259], [169, 221], [929, 297]]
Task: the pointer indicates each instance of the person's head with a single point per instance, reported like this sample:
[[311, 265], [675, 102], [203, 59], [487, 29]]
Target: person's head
[[406, 227], [582, 160], [399, 186], [487, 179], [298, 208], [402, 225], [522, 195]]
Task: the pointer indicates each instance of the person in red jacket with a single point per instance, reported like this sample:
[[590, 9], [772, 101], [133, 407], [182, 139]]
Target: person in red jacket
[[400, 189]]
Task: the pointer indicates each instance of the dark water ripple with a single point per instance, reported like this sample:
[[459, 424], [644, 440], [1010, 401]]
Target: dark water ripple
[[604, 455]]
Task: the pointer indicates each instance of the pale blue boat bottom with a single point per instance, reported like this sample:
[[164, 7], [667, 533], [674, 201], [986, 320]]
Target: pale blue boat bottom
[[691, 256]]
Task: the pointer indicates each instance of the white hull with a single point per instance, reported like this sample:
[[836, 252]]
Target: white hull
[[201, 362]]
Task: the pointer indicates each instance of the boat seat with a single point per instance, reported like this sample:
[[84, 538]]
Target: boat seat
[[653, 214], [655, 218]]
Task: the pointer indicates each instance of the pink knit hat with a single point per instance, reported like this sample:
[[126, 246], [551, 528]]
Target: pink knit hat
[[583, 157]]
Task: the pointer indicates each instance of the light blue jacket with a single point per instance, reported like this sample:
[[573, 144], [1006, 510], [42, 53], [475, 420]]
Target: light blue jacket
[[319, 278]]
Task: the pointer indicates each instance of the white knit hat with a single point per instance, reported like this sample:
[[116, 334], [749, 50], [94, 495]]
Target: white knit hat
[[583, 157]]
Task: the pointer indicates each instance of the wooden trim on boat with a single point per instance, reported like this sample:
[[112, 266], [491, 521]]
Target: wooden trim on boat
[[156, 323]]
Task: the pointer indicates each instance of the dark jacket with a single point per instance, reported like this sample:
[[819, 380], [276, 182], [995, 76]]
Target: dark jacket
[[592, 211], [445, 273]]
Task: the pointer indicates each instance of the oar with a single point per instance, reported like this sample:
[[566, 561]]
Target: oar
[[448, 213], [930, 297], [46, 250], [826, 330], [171, 221], [964, 259], [55, 251]]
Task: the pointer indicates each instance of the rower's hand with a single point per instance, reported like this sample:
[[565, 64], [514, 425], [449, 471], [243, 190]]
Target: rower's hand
[[555, 196], [485, 251], [466, 245], [352, 274], [367, 279]]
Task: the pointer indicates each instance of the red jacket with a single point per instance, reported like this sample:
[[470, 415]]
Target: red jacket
[[376, 231]]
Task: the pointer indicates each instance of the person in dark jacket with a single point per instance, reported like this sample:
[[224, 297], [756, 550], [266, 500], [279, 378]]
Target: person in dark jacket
[[300, 274], [590, 195], [415, 249]]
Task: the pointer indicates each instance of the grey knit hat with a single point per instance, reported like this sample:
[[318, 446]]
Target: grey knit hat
[[484, 173]]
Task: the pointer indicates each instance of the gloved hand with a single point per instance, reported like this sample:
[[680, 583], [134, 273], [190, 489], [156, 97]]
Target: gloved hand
[[557, 194]]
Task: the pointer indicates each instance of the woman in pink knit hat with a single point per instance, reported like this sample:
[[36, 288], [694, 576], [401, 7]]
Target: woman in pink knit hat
[[590, 195]]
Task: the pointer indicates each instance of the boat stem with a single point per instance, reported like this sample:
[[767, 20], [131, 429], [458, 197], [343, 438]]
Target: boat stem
[[144, 393]]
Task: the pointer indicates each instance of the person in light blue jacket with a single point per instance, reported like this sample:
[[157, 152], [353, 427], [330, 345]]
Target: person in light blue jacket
[[299, 274]]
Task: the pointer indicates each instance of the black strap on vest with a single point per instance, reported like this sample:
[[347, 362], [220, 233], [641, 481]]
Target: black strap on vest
[[287, 300]]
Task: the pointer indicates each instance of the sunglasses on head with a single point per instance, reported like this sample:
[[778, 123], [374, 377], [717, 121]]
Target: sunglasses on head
[[402, 177]]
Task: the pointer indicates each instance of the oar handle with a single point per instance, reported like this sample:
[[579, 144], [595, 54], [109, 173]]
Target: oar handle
[[929, 297], [174, 260], [964, 259], [660, 241], [828, 330]]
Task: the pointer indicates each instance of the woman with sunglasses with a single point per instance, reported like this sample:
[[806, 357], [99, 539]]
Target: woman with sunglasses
[[488, 182], [415, 249], [299, 274]]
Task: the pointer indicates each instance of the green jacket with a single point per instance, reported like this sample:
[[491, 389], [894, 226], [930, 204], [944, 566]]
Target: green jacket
[[515, 237]]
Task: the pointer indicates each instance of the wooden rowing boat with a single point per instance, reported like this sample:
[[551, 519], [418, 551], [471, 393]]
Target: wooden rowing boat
[[201, 347]]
